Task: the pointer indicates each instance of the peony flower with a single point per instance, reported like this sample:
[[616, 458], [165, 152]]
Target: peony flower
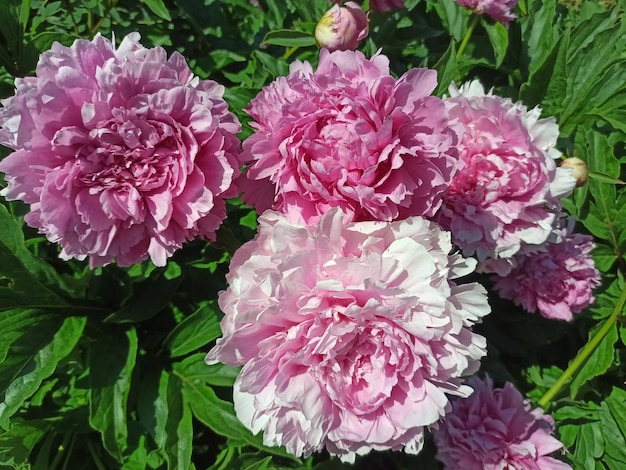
[[579, 169], [557, 281], [496, 429], [498, 10], [351, 136], [381, 5], [342, 28], [351, 335], [507, 192], [121, 153]]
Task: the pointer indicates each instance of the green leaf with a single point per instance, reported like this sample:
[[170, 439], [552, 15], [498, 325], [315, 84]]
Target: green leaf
[[220, 416], [195, 331], [111, 361], [499, 39], [18, 442], [604, 257], [599, 361], [447, 70], [289, 38], [195, 369], [158, 8], [38, 365], [602, 178], [167, 417], [614, 437]]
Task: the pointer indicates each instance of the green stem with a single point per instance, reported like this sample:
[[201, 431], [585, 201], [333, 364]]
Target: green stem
[[468, 34], [290, 51], [585, 352]]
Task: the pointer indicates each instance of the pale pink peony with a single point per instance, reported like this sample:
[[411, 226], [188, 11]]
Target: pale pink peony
[[558, 281], [496, 429], [498, 10], [342, 28], [121, 153], [351, 336], [351, 136], [507, 192]]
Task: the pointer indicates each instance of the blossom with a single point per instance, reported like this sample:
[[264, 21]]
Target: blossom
[[381, 5], [121, 153], [342, 28], [507, 192], [558, 281], [495, 429], [351, 136], [351, 334], [579, 169], [498, 10]]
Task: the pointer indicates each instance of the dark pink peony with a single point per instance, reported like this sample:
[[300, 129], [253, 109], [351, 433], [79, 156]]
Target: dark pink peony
[[507, 192], [121, 153], [497, 10], [351, 136], [496, 429], [558, 281], [352, 336]]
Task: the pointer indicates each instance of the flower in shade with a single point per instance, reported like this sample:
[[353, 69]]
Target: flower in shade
[[507, 192], [349, 135], [496, 429], [342, 28], [558, 280], [352, 335], [382, 5], [497, 10], [121, 153]]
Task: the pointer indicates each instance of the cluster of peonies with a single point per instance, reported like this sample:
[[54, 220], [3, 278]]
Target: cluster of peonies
[[494, 429], [121, 153]]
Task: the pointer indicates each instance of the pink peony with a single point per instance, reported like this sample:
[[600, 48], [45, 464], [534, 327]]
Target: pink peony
[[121, 153], [342, 28], [557, 281], [350, 136], [496, 429], [508, 188], [381, 5], [498, 10], [351, 336]]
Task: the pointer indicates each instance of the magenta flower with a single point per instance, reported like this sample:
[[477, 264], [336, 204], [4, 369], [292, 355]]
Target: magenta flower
[[121, 153], [508, 188], [558, 281], [342, 28], [496, 429], [351, 335], [351, 136], [498, 10]]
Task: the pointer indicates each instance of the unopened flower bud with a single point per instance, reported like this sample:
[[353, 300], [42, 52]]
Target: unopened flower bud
[[341, 28], [579, 169]]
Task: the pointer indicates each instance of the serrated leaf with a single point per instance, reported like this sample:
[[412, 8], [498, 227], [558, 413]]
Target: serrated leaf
[[111, 361], [289, 38], [195, 331], [599, 361], [158, 8], [39, 365]]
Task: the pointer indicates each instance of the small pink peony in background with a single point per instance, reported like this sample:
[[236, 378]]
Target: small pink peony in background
[[507, 192], [352, 335], [496, 429], [121, 153], [342, 28], [498, 10], [381, 5], [558, 281], [349, 135]]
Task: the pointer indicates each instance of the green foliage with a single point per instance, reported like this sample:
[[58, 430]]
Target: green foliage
[[105, 369]]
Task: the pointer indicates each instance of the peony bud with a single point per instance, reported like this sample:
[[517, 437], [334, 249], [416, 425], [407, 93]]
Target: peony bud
[[579, 169], [341, 28]]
